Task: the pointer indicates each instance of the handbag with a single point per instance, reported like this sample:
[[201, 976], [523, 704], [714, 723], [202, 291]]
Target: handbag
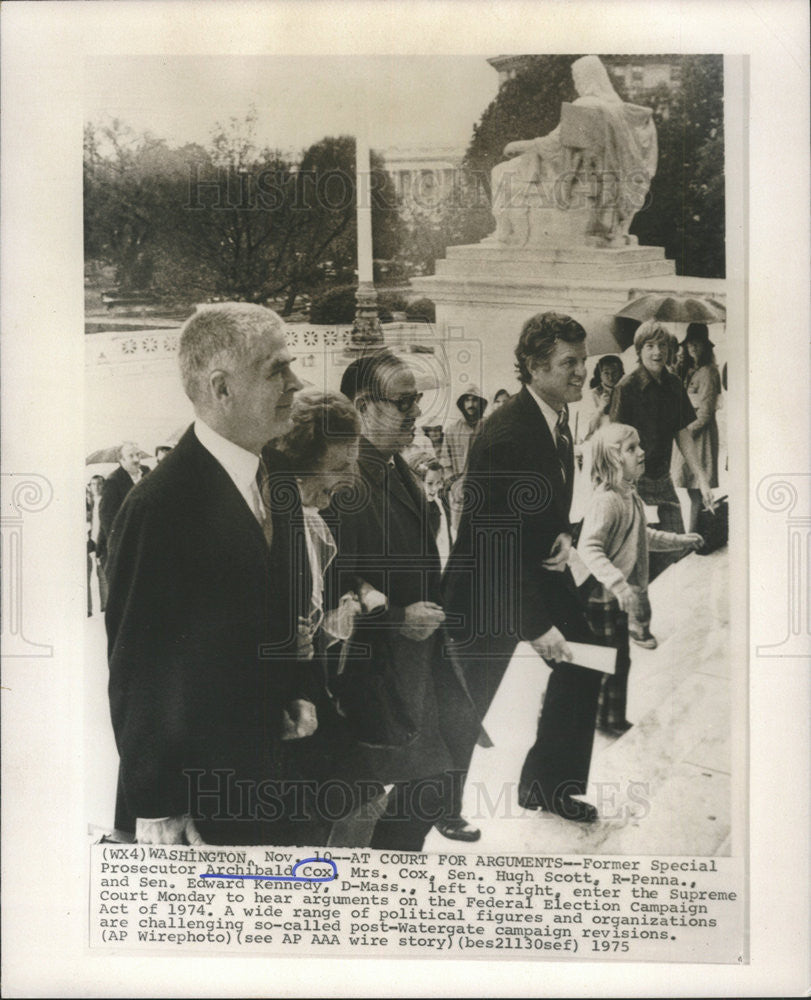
[[713, 526]]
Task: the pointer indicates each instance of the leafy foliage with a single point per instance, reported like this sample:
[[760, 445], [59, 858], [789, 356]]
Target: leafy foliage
[[686, 214], [334, 306], [337, 305], [232, 220], [526, 105], [421, 310]]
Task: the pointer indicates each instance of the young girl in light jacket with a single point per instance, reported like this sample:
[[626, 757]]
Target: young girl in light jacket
[[614, 545]]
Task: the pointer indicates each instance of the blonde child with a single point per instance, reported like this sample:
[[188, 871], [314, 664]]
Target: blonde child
[[614, 545]]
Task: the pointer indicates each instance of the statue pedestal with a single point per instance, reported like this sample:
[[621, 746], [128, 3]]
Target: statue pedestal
[[534, 265], [486, 291]]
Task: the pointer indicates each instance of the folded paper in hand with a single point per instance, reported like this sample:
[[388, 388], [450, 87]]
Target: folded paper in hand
[[602, 658]]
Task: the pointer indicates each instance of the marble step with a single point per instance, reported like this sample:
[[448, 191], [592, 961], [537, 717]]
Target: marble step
[[586, 263], [604, 269]]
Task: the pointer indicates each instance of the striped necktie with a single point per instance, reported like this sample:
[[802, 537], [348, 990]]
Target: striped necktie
[[563, 442], [263, 482]]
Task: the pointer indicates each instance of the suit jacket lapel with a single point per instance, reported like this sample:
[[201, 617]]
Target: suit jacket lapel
[[405, 486], [376, 468], [221, 488], [542, 442], [371, 462], [395, 480], [289, 557]]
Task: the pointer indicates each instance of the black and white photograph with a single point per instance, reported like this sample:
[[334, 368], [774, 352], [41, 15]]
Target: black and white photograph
[[422, 419], [530, 330]]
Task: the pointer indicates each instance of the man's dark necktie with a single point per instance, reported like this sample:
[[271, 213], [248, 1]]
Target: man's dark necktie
[[434, 517], [263, 482], [563, 442]]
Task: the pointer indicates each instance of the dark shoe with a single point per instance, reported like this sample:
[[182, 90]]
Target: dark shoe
[[573, 809], [529, 797], [617, 729], [458, 829], [643, 638]]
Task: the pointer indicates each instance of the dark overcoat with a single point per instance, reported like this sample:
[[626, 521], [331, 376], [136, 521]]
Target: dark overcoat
[[201, 646], [116, 486], [384, 538]]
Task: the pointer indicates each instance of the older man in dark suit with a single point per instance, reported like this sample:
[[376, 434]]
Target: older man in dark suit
[[402, 702], [203, 603], [508, 580]]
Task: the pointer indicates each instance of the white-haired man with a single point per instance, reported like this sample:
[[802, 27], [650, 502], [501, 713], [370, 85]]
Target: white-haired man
[[202, 608]]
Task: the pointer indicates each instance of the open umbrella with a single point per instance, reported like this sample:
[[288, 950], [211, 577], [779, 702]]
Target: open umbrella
[[674, 309], [109, 455]]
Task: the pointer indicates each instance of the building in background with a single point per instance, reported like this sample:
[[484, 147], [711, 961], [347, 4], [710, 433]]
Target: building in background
[[638, 74], [424, 178]]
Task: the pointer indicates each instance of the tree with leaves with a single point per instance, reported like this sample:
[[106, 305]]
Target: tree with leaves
[[232, 221], [130, 184], [686, 214]]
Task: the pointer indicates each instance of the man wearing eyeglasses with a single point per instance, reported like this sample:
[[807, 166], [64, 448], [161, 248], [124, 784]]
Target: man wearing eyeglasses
[[394, 681]]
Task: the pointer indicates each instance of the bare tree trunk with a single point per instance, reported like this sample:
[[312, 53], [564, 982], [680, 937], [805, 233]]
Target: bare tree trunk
[[290, 301]]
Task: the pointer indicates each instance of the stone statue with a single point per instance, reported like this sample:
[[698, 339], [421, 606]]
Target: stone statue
[[582, 183]]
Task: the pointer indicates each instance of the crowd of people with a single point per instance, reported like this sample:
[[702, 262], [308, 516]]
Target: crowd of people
[[310, 609]]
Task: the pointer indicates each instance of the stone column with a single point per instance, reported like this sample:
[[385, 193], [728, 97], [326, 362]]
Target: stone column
[[366, 332]]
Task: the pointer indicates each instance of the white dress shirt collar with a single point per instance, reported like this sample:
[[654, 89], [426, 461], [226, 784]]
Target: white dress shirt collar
[[549, 415], [241, 465]]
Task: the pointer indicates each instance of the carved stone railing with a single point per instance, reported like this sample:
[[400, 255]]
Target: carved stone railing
[[113, 348]]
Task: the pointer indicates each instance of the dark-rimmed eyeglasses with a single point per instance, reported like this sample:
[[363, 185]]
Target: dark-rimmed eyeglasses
[[403, 403]]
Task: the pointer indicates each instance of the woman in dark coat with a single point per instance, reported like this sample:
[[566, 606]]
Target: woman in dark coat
[[320, 450], [703, 384]]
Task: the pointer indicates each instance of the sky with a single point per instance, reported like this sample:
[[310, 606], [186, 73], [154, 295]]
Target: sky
[[411, 101]]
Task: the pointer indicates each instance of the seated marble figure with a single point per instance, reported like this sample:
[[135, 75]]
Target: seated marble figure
[[583, 183]]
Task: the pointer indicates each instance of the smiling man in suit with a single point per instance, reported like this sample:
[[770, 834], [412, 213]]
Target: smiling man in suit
[[508, 580], [202, 609]]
